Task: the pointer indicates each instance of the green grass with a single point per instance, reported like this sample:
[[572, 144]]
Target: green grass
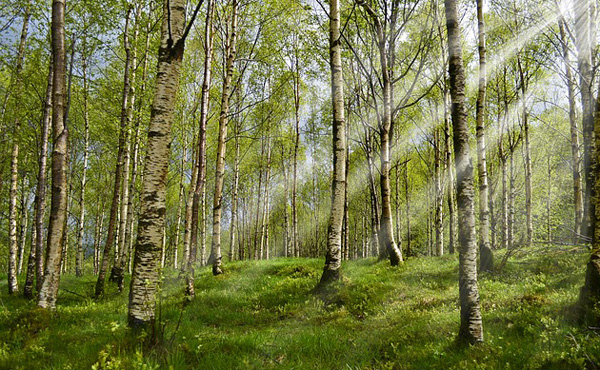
[[263, 315]]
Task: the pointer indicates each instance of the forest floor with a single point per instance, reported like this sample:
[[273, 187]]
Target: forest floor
[[263, 315]]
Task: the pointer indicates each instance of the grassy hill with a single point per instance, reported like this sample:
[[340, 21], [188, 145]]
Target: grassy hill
[[263, 315]]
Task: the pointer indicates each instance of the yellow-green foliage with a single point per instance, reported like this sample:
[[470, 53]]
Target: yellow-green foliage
[[264, 315]]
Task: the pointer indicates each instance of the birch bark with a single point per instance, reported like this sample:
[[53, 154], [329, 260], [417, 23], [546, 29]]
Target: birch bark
[[145, 277]]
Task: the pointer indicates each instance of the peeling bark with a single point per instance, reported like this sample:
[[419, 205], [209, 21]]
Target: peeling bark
[[145, 278]]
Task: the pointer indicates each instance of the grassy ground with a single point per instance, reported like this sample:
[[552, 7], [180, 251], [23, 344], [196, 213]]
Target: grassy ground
[[262, 315]]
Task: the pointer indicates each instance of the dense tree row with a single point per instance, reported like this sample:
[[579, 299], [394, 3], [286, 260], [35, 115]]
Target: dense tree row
[[450, 127]]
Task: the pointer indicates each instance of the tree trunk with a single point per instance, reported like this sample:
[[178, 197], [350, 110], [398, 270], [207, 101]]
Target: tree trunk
[[65, 255], [527, 159], [575, 154], [180, 202], [346, 240], [135, 156], [123, 138], [215, 253], [387, 243], [264, 245], [35, 265], [503, 170], [258, 219], [296, 77], [398, 208], [450, 173], [590, 292], [486, 260], [333, 263], [512, 195], [66, 259], [234, 196], [584, 11], [200, 163], [118, 272], [98, 235], [409, 251], [286, 220], [86, 143], [549, 203], [13, 286], [24, 224], [163, 247], [439, 195], [58, 207], [145, 278], [375, 222], [30, 274], [471, 328]]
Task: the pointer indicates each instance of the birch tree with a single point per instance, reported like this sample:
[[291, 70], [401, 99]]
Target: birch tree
[[471, 328], [119, 168], [13, 286], [230, 51], [333, 259], [485, 252], [145, 277], [200, 164], [58, 208]]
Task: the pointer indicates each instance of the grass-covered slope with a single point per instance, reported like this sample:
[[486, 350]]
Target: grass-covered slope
[[262, 315]]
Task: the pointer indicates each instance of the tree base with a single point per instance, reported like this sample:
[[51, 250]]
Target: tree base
[[328, 277], [395, 258], [217, 270], [190, 291], [486, 259], [590, 293]]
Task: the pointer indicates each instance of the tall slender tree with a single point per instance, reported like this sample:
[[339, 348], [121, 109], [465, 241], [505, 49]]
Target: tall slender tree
[[145, 277], [575, 150], [13, 286], [471, 327], [35, 264], [119, 168], [58, 207], [118, 272], [230, 52], [486, 260], [200, 163], [86, 153], [386, 57], [585, 12], [333, 259]]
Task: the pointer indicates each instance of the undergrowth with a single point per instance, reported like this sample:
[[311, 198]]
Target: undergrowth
[[264, 315]]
